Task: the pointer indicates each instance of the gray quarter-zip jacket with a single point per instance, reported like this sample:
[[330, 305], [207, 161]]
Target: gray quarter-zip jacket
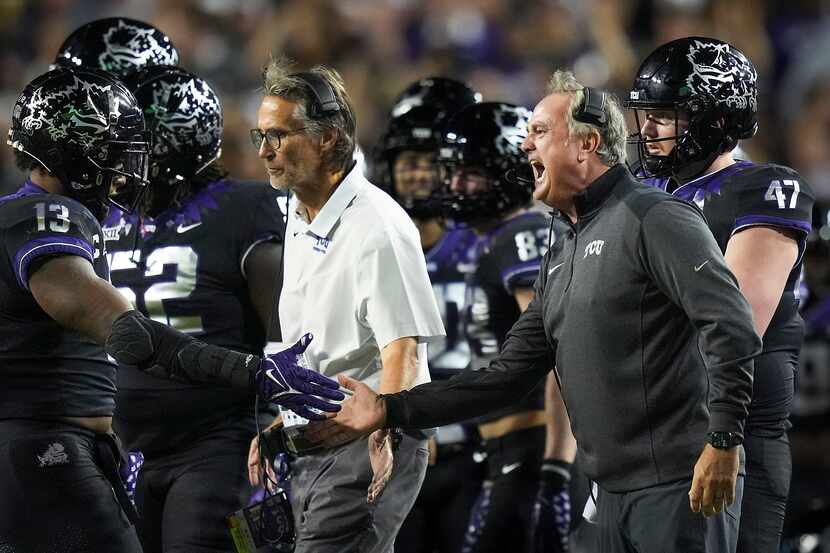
[[652, 340]]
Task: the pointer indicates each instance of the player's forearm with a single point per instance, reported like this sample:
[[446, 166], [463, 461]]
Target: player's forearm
[[399, 361]]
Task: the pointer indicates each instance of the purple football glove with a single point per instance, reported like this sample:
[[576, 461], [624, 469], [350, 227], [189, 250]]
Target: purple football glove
[[128, 471], [282, 380], [552, 510]]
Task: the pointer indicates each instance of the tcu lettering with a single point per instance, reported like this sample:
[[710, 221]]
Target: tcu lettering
[[594, 248]]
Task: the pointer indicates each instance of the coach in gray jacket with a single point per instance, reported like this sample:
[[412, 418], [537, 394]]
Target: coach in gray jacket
[[651, 338]]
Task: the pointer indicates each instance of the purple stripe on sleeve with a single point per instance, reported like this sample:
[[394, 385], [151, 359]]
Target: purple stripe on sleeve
[[47, 245], [509, 275], [769, 220]]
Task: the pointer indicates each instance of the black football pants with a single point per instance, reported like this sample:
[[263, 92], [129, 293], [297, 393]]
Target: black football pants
[[184, 497], [768, 459], [501, 519], [438, 520], [54, 495]]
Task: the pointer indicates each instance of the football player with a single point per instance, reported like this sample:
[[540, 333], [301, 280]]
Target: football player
[[81, 136], [694, 99], [204, 260], [407, 166], [487, 189]]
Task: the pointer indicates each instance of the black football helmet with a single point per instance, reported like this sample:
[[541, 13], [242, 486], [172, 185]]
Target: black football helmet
[[709, 81], [416, 123], [487, 137], [185, 116], [86, 129], [117, 45]]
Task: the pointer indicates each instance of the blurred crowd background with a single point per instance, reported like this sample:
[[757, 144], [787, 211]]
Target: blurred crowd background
[[506, 49]]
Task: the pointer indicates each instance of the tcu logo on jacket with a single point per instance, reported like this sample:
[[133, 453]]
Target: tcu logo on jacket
[[594, 248]]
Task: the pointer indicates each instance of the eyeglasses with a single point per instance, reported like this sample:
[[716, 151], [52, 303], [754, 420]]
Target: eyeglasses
[[273, 136]]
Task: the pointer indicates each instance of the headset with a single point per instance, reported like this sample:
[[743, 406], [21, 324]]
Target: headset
[[326, 101], [591, 110]]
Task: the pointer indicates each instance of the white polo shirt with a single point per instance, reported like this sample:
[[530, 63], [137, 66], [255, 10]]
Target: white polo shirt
[[356, 278]]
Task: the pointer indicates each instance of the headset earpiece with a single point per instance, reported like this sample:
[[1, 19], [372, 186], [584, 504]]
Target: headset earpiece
[[591, 110]]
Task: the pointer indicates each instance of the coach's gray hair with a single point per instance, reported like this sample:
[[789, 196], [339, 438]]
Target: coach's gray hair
[[279, 79], [611, 149]]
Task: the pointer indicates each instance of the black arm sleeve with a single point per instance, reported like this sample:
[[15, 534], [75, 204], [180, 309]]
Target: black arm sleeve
[[163, 351], [682, 256], [523, 362]]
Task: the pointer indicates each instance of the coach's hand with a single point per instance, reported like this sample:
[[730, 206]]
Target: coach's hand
[[713, 484], [382, 460], [360, 415]]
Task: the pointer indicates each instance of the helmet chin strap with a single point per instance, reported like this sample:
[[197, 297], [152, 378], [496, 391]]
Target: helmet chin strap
[[696, 150], [690, 170]]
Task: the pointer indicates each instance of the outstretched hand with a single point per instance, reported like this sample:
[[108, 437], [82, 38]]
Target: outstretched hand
[[282, 380], [360, 415]]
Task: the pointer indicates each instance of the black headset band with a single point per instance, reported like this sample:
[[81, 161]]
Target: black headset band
[[325, 103], [592, 108]]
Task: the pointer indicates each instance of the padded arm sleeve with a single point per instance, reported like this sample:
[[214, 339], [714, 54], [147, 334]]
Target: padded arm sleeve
[[162, 351]]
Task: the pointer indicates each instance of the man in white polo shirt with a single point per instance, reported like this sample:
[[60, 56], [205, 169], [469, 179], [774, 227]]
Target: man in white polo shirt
[[355, 277]]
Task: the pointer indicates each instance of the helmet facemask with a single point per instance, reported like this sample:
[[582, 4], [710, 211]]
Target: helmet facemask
[[486, 138], [506, 189], [414, 175], [84, 128], [416, 122], [699, 138], [711, 83]]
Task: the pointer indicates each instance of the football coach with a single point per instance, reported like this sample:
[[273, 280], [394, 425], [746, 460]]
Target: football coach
[[355, 277], [652, 341]]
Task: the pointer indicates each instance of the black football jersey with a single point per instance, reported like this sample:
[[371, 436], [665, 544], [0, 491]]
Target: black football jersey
[[47, 371], [745, 195], [445, 263], [185, 268], [505, 259]]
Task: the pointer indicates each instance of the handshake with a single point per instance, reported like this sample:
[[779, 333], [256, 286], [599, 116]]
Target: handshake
[[281, 379]]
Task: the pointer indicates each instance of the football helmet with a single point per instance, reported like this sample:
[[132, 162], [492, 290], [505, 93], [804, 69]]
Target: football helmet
[[117, 45], [185, 116], [416, 123], [86, 129], [712, 84], [485, 137]]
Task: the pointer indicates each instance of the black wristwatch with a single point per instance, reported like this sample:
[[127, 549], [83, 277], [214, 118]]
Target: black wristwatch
[[723, 440]]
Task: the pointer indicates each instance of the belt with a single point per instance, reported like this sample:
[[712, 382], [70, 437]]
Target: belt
[[511, 423]]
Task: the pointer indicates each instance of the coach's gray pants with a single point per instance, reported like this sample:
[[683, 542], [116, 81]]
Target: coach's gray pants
[[659, 520], [328, 496]]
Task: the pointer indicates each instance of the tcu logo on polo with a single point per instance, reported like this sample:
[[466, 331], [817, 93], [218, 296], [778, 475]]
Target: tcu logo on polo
[[594, 248]]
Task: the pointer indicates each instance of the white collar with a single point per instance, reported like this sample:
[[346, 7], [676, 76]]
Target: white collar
[[336, 205]]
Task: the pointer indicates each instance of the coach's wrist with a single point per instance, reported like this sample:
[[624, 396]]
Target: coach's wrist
[[386, 410]]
